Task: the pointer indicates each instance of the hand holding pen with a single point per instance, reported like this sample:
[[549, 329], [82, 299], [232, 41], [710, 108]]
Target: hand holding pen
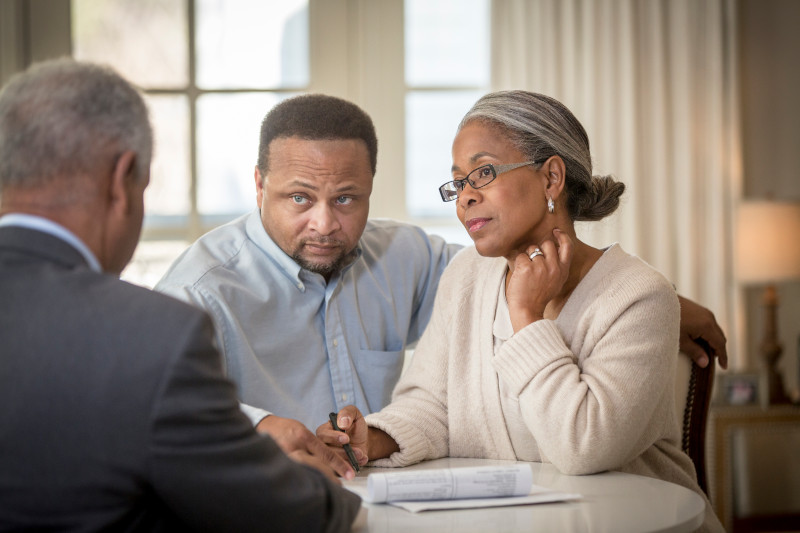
[[350, 437], [347, 448]]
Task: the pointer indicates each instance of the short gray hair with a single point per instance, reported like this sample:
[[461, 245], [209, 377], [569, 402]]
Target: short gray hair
[[66, 118], [540, 127]]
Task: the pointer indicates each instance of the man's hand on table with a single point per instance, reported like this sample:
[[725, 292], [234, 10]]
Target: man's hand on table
[[302, 446]]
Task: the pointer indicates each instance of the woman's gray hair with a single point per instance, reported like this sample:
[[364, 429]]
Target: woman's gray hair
[[541, 127], [68, 118]]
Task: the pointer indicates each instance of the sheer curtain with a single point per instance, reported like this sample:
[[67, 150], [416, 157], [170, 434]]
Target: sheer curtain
[[653, 82]]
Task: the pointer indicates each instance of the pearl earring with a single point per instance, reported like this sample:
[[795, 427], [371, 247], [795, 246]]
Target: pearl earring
[[551, 205]]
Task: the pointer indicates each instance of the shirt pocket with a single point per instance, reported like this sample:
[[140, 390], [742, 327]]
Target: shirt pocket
[[378, 372]]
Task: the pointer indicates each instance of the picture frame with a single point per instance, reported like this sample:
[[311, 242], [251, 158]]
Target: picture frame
[[740, 388]]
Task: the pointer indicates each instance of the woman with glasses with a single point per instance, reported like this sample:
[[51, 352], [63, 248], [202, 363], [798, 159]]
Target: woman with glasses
[[541, 347]]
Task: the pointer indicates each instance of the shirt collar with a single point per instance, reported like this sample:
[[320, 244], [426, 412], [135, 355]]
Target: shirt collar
[[24, 220]]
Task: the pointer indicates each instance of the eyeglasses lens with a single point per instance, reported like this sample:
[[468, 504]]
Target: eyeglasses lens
[[478, 178], [482, 176]]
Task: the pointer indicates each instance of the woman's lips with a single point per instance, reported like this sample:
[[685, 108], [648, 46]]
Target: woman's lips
[[474, 224]]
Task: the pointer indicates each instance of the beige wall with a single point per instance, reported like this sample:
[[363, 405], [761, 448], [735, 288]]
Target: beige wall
[[769, 63]]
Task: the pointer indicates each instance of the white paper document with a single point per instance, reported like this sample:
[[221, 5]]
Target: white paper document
[[456, 488]]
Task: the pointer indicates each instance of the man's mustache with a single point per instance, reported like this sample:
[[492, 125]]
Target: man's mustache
[[322, 240]]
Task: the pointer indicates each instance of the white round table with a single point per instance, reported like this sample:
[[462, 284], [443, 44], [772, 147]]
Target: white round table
[[610, 502]]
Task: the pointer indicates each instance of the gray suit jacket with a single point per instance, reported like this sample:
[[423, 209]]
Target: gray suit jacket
[[115, 414]]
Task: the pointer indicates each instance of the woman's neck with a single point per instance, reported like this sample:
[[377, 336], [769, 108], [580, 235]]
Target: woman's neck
[[583, 259]]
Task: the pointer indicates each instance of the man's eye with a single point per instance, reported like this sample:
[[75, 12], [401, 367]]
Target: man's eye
[[485, 172], [460, 184], [299, 200], [344, 200]]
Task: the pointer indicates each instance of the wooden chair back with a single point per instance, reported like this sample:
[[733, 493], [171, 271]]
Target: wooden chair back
[[693, 387]]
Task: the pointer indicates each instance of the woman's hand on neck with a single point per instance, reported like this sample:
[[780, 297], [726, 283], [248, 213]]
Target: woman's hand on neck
[[538, 288]]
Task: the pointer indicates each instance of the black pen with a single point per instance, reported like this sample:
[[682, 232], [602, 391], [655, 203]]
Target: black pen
[[347, 448]]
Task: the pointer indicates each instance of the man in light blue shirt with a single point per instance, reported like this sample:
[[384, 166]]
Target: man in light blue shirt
[[314, 305], [301, 345]]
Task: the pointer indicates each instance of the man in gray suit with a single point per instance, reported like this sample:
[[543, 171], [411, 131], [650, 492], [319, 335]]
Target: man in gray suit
[[114, 412]]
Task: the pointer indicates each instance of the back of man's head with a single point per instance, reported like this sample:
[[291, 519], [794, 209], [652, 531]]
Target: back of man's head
[[62, 119], [316, 117]]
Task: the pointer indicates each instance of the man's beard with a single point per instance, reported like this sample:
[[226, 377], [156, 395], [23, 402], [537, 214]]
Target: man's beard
[[324, 269]]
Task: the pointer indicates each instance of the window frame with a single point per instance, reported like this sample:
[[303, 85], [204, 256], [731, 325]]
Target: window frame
[[356, 50]]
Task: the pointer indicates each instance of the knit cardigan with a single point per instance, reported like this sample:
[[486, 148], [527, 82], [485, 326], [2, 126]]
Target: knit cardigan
[[595, 386]]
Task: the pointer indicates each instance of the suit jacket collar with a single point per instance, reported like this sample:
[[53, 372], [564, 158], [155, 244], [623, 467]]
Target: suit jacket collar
[[40, 244]]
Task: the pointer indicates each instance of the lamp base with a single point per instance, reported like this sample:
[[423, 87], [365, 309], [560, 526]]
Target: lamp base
[[771, 349], [776, 392]]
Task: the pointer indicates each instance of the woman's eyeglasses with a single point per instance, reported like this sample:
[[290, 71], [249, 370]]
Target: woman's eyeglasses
[[479, 177]]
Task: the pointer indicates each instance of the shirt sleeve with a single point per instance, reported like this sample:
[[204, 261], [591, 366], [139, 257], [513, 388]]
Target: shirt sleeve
[[255, 414], [215, 472]]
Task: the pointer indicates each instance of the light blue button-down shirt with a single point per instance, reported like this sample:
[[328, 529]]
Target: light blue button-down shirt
[[300, 347]]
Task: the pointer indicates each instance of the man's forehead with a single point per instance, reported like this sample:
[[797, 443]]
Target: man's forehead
[[282, 144], [319, 155]]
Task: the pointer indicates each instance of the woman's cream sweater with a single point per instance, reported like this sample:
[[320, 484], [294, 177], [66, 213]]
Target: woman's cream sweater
[[595, 386]]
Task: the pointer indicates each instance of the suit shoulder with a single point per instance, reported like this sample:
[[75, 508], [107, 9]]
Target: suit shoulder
[[148, 303]]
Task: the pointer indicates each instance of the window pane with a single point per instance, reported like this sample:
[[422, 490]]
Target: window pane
[[228, 129], [145, 40], [252, 43], [431, 121], [168, 193], [447, 43], [151, 261]]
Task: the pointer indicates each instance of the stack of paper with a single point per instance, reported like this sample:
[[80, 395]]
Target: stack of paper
[[456, 488]]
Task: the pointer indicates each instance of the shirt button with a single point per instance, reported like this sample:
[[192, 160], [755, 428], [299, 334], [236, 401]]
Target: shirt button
[[344, 397], [299, 285], [335, 342]]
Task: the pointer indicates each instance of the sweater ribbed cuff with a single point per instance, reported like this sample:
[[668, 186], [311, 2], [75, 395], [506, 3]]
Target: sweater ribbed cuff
[[414, 446]]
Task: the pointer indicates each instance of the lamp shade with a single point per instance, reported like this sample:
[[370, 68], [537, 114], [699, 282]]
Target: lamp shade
[[768, 241]]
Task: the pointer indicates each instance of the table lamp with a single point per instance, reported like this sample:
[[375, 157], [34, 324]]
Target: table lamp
[[768, 251]]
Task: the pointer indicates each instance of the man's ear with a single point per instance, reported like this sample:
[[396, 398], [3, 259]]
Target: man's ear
[[122, 180], [556, 176], [259, 187]]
